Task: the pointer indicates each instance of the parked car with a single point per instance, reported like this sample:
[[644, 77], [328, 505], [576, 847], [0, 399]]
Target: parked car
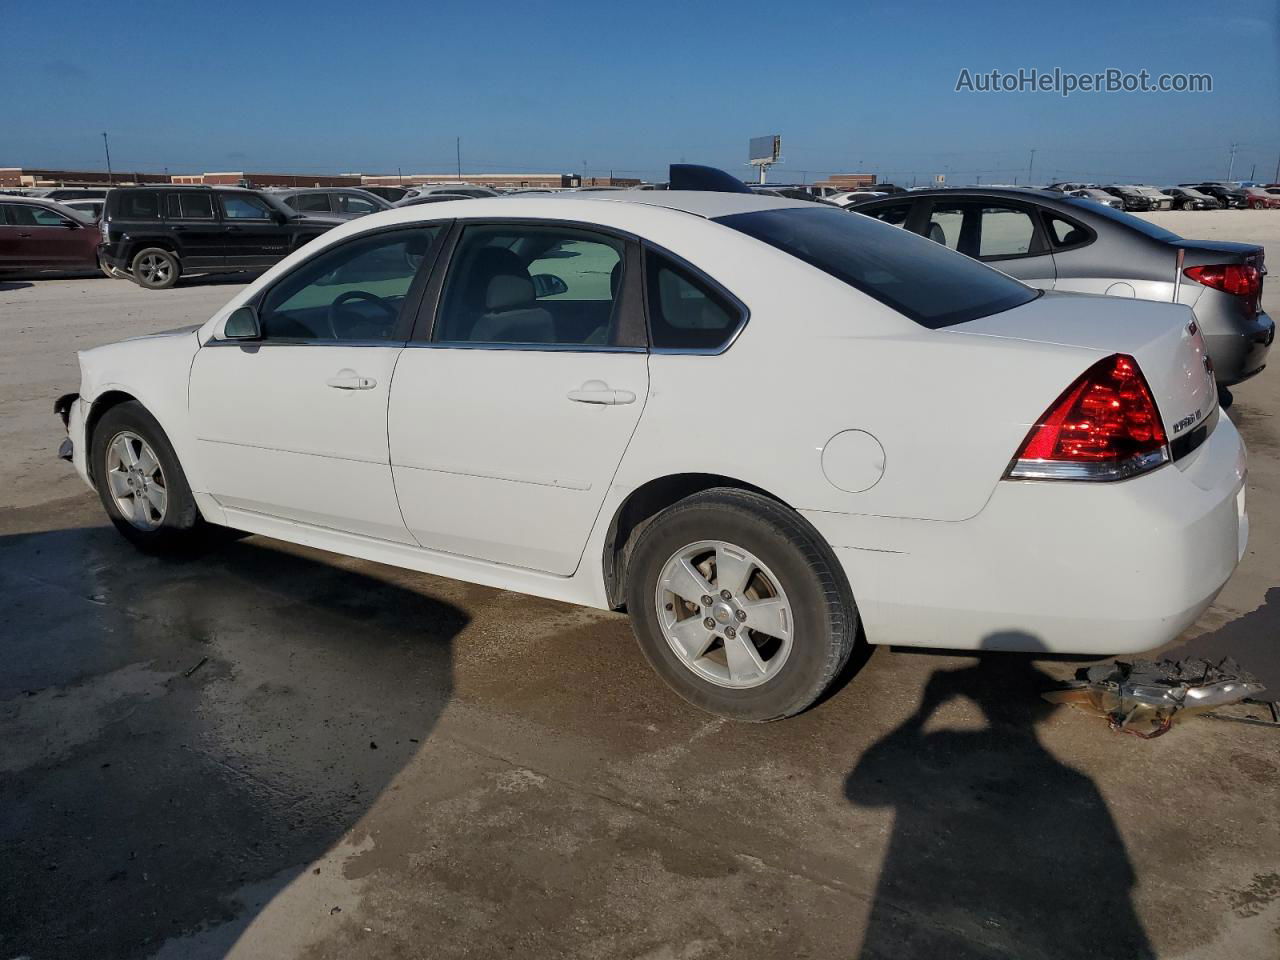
[[464, 189], [852, 196], [1189, 198], [71, 193], [431, 198], [1230, 197], [1159, 199], [344, 203], [91, 209], [37, 235], [1058, 242], [1070, 186], [1133, 199], [389, 194], [1259, 198], [154, 235], [1097, 196], [544, 445]]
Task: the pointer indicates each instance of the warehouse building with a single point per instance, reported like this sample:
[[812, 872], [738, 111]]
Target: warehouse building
[[41, 177], [849, 181], [240, 178], [498, 181]]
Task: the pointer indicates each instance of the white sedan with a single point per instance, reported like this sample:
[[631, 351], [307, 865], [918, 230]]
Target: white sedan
[[763, 427]]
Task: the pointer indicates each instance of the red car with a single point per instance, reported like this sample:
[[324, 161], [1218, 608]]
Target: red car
[[1257, 198], [44, 235]]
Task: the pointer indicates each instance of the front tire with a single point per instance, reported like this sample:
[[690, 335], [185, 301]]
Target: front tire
[[739, 605], [140, 482], [156, 268]]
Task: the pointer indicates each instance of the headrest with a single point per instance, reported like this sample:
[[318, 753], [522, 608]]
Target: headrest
[[507, 291]]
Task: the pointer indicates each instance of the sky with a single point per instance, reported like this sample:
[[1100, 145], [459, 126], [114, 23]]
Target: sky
[[318, 87]]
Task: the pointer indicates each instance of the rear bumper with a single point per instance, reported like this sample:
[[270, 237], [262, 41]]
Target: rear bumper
[[1084, 568], [1239, 348]]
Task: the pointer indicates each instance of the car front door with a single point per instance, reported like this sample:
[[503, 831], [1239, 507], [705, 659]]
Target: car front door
[[1004, 234], [294, 425], [195, 225], [39, 238], [511, 411], [255, 237]]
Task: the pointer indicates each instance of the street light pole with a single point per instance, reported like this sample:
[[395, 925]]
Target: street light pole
[[1031, 166], [107, 147]]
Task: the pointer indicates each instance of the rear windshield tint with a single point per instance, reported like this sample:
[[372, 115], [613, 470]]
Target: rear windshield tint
[[919, 278], [1128, 219]]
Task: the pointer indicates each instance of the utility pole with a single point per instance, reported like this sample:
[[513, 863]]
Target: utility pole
[[1252, 173], [1277, 179], [457, 148], [399, 176], [1231, 164], [107, 147], [1032, 165]]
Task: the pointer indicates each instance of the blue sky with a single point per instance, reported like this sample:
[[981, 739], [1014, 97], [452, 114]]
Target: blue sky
[[288, 86]]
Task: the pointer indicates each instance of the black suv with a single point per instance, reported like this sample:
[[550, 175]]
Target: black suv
[[153, 235]]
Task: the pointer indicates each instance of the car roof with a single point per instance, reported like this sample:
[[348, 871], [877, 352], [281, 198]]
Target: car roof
[[702, 203]]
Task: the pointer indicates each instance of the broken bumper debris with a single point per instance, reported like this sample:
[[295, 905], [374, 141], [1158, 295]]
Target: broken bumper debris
[[1143, 696]]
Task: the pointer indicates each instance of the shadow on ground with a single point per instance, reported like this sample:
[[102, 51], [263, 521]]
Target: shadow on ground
[[174, 731], [998, 849], [6, 285]]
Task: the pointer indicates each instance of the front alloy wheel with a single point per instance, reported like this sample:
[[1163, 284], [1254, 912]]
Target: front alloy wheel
[[136, 481]]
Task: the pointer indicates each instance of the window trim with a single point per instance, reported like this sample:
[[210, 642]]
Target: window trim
[[633, 319], [409, 307], [744, 313]]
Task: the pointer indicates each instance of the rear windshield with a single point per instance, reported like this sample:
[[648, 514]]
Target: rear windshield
[[919, 278], [1128, 219]]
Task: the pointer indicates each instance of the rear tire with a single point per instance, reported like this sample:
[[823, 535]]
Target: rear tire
[[156, 268], [784, 626], [140, 482]]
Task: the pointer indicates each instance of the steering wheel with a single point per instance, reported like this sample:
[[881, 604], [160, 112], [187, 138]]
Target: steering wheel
[[343, 299]]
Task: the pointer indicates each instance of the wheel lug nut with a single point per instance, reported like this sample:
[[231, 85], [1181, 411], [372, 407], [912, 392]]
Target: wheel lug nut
[[726, 595], [730, 632], [741, 615], [709, 623], [707, 601]]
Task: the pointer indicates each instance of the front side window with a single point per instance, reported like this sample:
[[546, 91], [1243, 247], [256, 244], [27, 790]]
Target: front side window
[[354, 291], [919, 279], [243, 206], [349, 203], [529, 284], [685, 312], [309, 202], [31, 215]]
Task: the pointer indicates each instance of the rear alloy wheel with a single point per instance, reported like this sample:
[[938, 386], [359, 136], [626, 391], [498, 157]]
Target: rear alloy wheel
[[156, 269], [739, 605]]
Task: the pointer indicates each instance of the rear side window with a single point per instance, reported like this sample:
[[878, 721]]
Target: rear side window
[[190, 206], [685, 313], [1064, 233], [920, 279], [309, 202], [137, 204]]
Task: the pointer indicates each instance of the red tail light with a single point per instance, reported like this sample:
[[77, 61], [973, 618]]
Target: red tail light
[[1238, 279], [1105, 426]]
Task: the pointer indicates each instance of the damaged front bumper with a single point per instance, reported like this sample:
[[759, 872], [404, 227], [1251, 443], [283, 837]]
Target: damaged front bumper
[[70, 409]]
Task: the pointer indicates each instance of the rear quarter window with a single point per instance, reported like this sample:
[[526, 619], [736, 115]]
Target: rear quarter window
[[922, 280]]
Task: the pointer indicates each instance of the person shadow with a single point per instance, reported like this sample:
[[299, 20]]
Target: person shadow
[[998, 849], [180, 739]]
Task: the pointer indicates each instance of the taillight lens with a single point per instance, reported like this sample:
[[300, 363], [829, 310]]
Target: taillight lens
[[1238, 279], [1105, 426]]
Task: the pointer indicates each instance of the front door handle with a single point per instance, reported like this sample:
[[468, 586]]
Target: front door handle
[[597, 391], [350, 380]]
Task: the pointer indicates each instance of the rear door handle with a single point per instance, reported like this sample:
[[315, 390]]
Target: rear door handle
[[350, 380], [597, 391]]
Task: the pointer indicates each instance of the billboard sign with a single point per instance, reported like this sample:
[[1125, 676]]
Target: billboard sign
[[765, 150]]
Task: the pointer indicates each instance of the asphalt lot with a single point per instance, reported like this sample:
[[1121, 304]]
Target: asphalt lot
[[268, 751]]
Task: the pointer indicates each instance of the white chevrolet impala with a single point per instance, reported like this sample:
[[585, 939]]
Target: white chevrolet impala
[[761, 426]]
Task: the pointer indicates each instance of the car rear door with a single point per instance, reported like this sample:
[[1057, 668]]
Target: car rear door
[[254, 236], [201, 236], [513, 405], [294, 426], [1005, 234]]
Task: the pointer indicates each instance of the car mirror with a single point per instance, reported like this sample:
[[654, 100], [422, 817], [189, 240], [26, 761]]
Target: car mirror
[[279, 216], [547, 285], [242, 325]]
